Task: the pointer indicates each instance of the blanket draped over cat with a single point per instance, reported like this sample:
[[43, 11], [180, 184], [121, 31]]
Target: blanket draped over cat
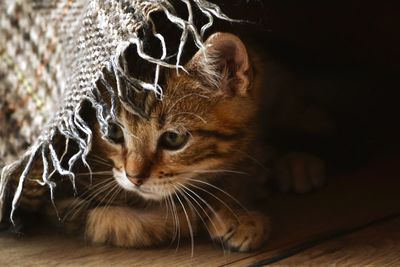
[[54, 55]]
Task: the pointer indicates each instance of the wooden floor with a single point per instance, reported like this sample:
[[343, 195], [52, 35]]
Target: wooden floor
[[354, 220]]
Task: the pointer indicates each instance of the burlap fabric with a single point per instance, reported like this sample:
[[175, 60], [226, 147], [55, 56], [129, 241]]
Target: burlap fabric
[[53, 55]]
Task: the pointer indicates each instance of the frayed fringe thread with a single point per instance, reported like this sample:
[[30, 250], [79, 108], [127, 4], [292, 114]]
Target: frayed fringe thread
[[70, 127], [49, 158]]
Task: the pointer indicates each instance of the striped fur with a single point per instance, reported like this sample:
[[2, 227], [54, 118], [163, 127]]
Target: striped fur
[[198, 186]]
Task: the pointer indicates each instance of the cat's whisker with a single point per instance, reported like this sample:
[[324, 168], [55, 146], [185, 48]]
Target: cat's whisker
[[165, 202], [78, 208], [115, 189], [95, 173], [168, 201], [92, 187], [188, 113], [177, 221], [188, 191], [185, 195], [111, 192], [217, 198], [213, 211], [80, 203], [99, 159], [220, 171], [110, 197], [79, 198], [182, 98], [100, 162], [131, 134], [114, 196], [92, 193], [72, 208], [220, 190], [205, 202], [178, 225], [252, 158], [102, 182], [187, 219], [192, 207], [113, 186]]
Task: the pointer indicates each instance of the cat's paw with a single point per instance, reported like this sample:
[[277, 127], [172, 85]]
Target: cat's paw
[[122, 227], [244, 232], [300, 172]]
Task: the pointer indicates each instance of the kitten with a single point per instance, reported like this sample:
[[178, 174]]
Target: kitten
[[193, 164]]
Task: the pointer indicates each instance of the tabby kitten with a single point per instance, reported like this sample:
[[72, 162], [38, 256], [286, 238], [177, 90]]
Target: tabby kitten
[[191, 166]]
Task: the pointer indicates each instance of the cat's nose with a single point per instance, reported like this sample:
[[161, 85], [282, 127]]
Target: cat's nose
[[138, 179]]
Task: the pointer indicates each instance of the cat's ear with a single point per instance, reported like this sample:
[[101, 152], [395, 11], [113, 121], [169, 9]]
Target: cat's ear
[[223, 64]]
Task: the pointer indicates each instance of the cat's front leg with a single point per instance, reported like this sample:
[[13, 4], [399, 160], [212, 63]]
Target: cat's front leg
[[239, 230], [127, 227]]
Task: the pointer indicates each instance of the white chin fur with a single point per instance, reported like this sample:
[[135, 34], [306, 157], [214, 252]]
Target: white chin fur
[[123, 181]]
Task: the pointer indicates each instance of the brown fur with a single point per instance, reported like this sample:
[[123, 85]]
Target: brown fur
[[202, 185]]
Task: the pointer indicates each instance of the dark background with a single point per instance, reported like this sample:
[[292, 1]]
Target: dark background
[[355, 40], [335, 32]]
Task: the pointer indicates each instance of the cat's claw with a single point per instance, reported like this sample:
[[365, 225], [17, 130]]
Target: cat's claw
[[245, 232], [300, 172]]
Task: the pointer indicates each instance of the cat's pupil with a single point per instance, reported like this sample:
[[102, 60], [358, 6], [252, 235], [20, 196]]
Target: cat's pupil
[[173, 140], [115, 133]]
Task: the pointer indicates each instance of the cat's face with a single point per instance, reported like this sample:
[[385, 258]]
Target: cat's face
[[197, 132]]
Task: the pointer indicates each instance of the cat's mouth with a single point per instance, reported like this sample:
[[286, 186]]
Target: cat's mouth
[[123, 180]]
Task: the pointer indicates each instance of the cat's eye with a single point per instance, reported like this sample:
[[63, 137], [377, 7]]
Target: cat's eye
[[115, 133], [173, 140]]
